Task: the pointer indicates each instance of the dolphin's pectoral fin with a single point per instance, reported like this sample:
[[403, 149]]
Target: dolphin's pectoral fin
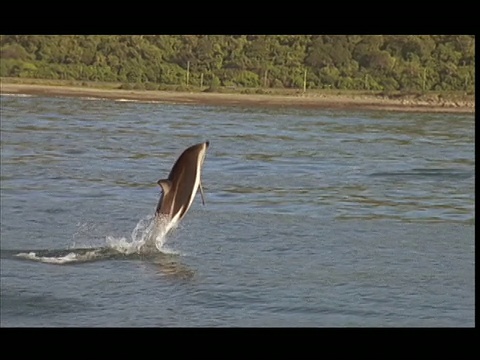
[[165, 184], [201, 193]]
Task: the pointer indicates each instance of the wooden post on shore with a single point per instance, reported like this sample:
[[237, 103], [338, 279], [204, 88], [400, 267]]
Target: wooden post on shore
[[188, 70], [305, 81], [265, 79], [201, 81], [424, 78]]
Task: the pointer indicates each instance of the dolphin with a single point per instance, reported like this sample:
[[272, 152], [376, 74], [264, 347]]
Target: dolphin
[[180, 188]]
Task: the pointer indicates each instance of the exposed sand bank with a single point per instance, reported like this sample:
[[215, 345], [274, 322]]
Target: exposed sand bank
[[432, 104]]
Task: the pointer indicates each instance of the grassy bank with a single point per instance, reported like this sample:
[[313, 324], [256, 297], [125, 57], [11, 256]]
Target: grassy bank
[[348, 99], [447, 95]]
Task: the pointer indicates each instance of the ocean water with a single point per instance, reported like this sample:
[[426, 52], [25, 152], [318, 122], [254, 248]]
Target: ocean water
[[312, 217]]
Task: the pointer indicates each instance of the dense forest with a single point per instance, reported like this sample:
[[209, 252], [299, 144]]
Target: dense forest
[[357, 62]]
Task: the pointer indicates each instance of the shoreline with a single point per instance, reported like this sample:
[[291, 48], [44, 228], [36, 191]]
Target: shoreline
[[309, 100]]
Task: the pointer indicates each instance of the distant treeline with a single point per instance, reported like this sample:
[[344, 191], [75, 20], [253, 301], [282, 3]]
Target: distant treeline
[[357, 62]]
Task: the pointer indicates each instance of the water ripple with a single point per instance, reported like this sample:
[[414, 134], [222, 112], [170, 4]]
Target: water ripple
[[316, 218]]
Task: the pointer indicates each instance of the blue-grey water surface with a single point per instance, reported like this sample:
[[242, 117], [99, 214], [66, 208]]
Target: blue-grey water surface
[[312, 217]]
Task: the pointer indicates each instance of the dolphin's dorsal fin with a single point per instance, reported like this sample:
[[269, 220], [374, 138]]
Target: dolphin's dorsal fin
[[165, 184], [201, 193]]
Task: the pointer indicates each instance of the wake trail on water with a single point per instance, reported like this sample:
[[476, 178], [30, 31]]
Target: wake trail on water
[[148, 238]]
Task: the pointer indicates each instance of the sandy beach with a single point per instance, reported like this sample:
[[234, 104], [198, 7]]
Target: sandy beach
[[432, 104]]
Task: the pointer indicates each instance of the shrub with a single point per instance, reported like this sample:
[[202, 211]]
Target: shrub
[[126, 86], [139, 86], [151, 86]]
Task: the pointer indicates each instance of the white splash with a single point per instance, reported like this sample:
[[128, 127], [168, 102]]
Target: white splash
[[49, 259], [149, 235], [69, 258]]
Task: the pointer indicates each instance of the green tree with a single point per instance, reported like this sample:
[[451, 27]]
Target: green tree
[[408, 62]]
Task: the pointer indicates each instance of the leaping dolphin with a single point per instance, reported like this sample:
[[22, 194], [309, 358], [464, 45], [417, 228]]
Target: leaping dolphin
[[180, 188]]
